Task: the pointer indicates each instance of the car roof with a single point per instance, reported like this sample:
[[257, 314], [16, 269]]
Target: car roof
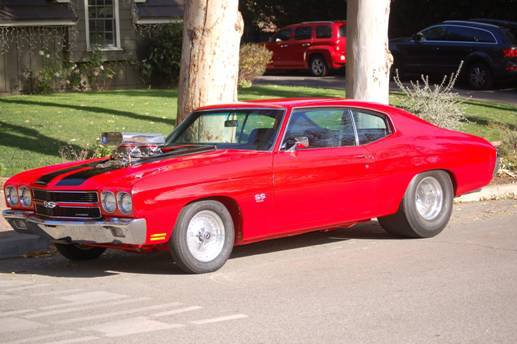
[[500, 22], [289, 103], [471, 23]]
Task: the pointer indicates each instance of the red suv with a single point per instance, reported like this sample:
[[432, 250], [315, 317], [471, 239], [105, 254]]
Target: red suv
[[316, 46]]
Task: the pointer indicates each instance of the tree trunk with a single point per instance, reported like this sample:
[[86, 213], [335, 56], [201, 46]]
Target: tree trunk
[[368, 56], [210, 54]]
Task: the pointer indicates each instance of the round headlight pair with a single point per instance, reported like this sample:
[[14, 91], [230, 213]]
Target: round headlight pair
[[110, 202], [22, 196]]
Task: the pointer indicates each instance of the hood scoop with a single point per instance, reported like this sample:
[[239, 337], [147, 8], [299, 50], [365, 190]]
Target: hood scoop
[[131, 147]]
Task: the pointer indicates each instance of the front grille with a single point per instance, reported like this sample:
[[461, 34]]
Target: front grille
[[60, 196], [85, 212], [67, 204]]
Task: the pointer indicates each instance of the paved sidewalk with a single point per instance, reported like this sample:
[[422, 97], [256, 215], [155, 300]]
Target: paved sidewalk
[[508, 95]]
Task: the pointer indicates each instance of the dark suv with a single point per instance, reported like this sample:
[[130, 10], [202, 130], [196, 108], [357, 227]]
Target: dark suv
[[487, 47]]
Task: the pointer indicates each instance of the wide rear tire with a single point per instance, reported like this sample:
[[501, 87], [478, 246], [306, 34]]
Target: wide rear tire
[[425, 209], [203, 238], [78, 252]]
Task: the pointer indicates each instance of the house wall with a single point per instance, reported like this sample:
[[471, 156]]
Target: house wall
[[127, 75], [20, 58]]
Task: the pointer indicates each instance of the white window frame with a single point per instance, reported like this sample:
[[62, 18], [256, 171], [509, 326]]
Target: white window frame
[[116, 13]]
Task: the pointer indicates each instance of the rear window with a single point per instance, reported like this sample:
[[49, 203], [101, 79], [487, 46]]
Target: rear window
[[303, 32], [342, 31], [511, 35], [323, 31], [465, 34]]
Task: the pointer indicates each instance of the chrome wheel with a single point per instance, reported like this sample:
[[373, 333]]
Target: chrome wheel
[[205, 236], [429, 198], [318, 67]]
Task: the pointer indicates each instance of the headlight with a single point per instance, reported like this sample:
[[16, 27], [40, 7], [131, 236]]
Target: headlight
[[109, 203], [11, 195], [25, 196], [125, 204]]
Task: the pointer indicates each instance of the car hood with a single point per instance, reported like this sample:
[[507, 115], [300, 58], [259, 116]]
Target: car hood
[[95, 174]]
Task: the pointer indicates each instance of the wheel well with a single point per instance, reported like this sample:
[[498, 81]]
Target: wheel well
[[477, 60], [451, 176], [233, 208], [315, 54]]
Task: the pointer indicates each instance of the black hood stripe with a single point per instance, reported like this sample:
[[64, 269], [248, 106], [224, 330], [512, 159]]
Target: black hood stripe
[[80, 177], [47, 178]]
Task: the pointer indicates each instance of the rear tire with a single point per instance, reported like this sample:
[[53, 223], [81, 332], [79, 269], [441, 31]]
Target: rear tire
[[480, 77], [78, 253], [425, 209], [203, 237], [318, 66]]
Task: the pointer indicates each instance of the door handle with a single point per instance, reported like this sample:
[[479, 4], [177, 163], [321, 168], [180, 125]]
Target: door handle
[[306, 45], [283, 46], [362, 156]]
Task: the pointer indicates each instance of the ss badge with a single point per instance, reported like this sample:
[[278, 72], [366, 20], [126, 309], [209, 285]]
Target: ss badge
[[261, 197]]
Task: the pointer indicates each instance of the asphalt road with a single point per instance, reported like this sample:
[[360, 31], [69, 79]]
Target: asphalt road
[[345, 286], [501, 95]]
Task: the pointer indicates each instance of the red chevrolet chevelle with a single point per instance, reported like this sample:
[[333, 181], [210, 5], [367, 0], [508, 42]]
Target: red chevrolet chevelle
[[240, 173]]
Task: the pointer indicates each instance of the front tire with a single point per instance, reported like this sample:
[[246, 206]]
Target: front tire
[[425, 209], [203, 237], [78, 252], [318, 66]]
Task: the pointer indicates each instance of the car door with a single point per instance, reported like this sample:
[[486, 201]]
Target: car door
[[328, 182], [279, 45], [462, 41], [298, 48], [422, 53]]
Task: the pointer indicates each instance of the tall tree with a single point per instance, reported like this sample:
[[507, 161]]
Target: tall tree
[[210, 54], [368, 56]]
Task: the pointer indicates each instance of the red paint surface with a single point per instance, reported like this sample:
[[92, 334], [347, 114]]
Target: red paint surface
[[306, 190]]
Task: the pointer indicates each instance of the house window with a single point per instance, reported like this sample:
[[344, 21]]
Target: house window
[[102, 24]]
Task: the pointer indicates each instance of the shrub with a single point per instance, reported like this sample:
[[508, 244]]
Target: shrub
[[51, 77], [253, 61], [508, 150], [438, 104], [160, 53], [71, 153]]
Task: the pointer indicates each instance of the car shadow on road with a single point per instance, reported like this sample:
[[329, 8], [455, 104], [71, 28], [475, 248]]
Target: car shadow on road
[[115, 262]]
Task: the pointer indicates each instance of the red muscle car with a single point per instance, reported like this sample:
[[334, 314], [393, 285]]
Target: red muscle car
[[240, 173]]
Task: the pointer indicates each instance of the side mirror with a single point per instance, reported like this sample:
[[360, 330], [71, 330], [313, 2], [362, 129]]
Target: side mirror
[[299, 143], [418, 36]]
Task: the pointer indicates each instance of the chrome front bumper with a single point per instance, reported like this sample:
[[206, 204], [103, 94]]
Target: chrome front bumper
[[113, 231]]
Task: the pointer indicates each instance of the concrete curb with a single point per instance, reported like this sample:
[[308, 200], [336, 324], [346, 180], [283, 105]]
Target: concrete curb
[[491, 192], [13, 244]]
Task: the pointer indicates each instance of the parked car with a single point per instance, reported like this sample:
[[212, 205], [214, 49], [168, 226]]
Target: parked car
[[487, 47], [246, 172], [315, 46]]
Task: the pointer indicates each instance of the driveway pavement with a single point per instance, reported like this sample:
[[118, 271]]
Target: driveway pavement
[[507, 95], [346, 286]]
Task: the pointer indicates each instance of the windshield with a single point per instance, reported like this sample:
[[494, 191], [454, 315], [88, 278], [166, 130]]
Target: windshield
[[254, 129]]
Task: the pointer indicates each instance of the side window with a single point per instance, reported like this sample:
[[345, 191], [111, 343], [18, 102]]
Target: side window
[[460, 34], [331, 127], [370, 126], [282, 35], [302, 32], [323, 31], [436, 33]]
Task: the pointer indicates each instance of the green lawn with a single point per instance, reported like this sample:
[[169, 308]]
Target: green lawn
[[34, 128]]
